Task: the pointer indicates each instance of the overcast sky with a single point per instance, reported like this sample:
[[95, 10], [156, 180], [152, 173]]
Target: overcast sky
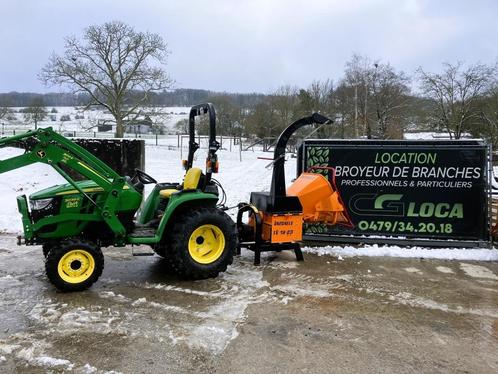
[[256, 46]]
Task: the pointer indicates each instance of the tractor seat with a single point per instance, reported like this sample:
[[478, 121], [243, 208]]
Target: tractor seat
[[190, 183]]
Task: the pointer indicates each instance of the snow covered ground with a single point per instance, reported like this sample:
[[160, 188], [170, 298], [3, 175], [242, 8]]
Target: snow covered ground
[[240, 173], [430, 135]]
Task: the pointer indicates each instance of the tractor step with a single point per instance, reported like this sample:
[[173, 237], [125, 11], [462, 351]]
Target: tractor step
[[140, 251], [143, 232], [142, 254]]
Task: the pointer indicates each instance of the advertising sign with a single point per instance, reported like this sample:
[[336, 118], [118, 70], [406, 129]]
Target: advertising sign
[[409, 189]]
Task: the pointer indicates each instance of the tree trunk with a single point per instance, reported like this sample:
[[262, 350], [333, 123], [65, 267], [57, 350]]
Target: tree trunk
[[120, 128]]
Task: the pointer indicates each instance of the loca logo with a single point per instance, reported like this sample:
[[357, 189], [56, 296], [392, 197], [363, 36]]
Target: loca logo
[[390, 205]]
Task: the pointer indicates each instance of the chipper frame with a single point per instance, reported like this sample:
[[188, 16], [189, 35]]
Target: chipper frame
[[180, 221], [276, 217]]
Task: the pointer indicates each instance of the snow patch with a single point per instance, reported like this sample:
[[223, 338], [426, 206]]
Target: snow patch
[[477, 254], [407, 298], [215, 333], [444, 269], [139, 301], [89, 369], [33, 353], [67, 320], [478, 271], [345, 277], [9, 280], [53, 362], [298, 290], [413, 270], [8, 348], [223, 292]]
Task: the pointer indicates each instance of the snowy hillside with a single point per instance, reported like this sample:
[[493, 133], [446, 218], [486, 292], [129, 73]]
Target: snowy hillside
[[75, 119]]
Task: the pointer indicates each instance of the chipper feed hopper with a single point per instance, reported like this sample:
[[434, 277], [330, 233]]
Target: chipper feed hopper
[[180, 221], [275, 218]]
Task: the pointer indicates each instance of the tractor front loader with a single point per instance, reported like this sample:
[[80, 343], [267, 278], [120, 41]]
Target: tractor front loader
[[180, 221], [276, 218]]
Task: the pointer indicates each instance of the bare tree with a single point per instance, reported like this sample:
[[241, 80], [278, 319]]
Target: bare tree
[[182, 126], [227, 114], [284, 104], [456, 91], [358, 74], [4, 112], [488, 114], [4, 109], [390, 91], [318, 97], [345, 107], [35, 112], [116, 66], [262, 121]]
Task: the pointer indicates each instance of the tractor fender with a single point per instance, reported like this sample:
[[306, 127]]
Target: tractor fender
[[183, 202]]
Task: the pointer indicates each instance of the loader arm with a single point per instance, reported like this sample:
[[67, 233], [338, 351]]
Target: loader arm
[[48, 147]]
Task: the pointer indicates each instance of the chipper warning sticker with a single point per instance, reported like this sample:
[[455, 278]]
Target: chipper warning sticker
[[286, 228]]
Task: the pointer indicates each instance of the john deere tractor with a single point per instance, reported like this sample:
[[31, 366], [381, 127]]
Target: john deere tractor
[[180, 221]]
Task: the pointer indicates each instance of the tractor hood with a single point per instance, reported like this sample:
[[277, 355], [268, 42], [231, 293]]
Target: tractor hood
[[67, 189]]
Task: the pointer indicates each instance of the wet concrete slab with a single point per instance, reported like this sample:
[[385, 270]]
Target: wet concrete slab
[[323, 315]]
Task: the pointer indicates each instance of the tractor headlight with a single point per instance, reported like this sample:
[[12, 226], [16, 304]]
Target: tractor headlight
[[40, 203]]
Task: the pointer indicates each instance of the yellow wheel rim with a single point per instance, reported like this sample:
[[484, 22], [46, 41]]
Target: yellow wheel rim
[[206, 244], [76, 266]]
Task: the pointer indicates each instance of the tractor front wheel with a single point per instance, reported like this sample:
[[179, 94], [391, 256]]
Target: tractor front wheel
[[202, 243], [74, 265]]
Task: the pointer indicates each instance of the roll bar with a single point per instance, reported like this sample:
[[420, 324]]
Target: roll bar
[[212, 158]]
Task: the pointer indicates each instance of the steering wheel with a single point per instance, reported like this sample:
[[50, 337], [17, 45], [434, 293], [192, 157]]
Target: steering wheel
[[143, 177]]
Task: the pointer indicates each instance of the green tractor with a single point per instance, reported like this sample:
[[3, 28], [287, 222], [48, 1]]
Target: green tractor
[[182, 222]]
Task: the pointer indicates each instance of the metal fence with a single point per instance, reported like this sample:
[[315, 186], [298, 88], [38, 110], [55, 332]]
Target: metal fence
[[178, 141]]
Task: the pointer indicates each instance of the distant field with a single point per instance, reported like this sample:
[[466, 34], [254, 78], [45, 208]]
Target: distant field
[[88, 120]]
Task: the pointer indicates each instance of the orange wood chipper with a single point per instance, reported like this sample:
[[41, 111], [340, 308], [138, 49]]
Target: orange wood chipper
[[274, 220]]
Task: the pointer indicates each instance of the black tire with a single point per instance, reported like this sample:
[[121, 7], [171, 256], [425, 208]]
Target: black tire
[[79, 261], [181, 232], [46, 247], [161, 249]]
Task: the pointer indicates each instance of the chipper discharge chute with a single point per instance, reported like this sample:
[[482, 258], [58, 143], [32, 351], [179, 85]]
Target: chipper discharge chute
[[275, 218], [320, 198], [182, 222]]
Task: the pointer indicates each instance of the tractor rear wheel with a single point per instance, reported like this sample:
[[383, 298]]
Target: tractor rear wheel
[[46, 247], [74, 265], [202, 243], [161, 249]]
